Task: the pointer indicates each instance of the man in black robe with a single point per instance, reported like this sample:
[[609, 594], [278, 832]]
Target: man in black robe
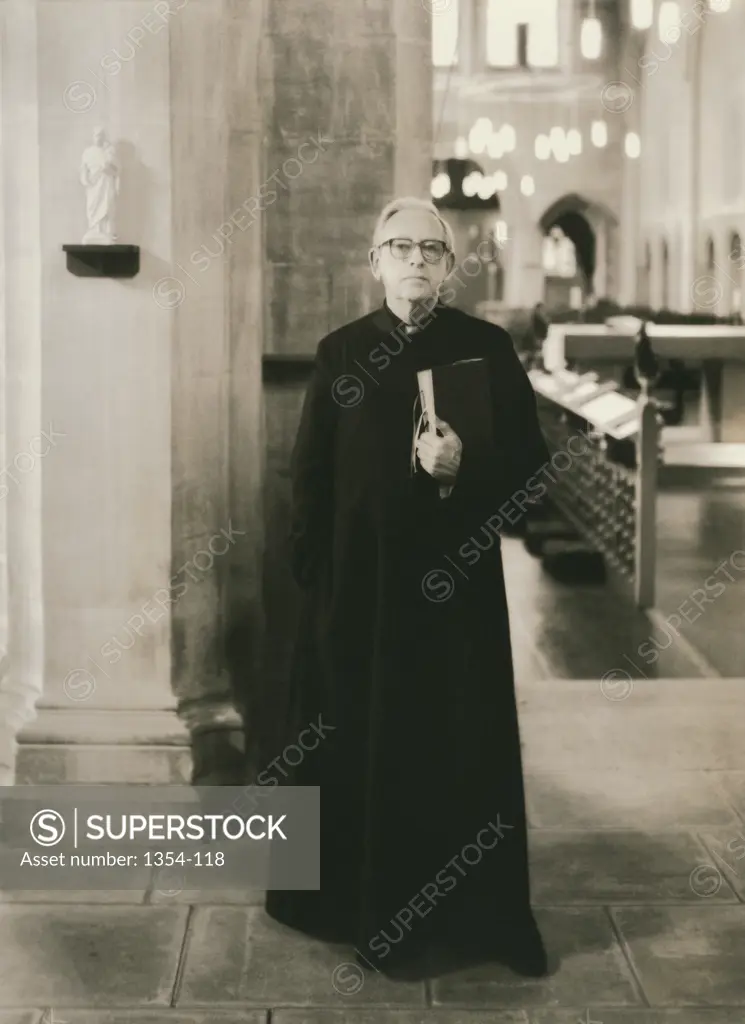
[[404, 646]]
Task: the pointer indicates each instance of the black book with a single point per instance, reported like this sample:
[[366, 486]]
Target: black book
[[461, 395]]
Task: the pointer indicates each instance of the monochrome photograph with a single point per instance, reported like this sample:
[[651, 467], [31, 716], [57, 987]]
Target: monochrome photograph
[[372, 512]]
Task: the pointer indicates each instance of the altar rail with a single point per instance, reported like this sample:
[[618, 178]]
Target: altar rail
[[712, 347], [609, 493]]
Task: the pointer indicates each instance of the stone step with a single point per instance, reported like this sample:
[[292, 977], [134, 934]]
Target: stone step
[[148, 747], [539, 532], [42, 764], [100, 746], [127, 726], [573, 561]]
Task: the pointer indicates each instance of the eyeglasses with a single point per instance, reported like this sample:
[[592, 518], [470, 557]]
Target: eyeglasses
[[432, 249]]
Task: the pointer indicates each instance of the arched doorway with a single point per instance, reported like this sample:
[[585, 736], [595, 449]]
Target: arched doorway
[[563, 281], [588, 228]]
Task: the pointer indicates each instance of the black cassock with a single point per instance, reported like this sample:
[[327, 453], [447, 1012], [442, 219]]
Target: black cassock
[[404, 649]]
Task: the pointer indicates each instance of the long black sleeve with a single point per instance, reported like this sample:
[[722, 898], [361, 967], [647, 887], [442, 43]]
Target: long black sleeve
[[312, 474], [489, 478], [527, 452]]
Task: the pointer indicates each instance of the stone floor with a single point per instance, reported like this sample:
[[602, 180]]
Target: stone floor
[[701, 535], [636, 801]]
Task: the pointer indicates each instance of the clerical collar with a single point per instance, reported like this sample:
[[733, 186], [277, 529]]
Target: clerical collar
[[388, 321]]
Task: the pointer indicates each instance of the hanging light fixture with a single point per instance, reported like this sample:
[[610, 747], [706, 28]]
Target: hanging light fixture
[[440, 185], [561, 151], [461, 148], [591, 35], [479, 135], [669, 21], [642, 14], [476, 140], [574, 142], [527, 185], [509, 138], [556, 137], [469, 185], [542, 147], [632, 145], [559, 147], [500, 181], [591, 39], [495, 147], [599, 134], [486, 187]]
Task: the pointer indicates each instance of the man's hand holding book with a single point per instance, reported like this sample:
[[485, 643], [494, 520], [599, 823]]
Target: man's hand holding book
[[440, 456]]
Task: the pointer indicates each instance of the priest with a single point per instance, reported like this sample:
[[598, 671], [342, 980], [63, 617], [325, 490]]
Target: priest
[[404, 644]]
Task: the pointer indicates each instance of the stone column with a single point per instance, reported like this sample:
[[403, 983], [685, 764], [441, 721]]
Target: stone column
[[599, 224], [525, 274], [215, 387], [105, 515], [412, 29], [21, 610]]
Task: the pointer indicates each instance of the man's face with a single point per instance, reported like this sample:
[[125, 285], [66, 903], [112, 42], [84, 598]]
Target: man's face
[[413, 277]]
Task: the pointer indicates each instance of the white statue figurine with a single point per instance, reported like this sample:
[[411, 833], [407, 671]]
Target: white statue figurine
[[99, 174]]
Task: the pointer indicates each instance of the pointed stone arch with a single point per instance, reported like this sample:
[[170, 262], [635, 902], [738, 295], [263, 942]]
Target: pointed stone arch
[[572, 202], [592, 226]]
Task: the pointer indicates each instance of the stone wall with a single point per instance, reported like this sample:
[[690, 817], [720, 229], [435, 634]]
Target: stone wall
[[686, 96]]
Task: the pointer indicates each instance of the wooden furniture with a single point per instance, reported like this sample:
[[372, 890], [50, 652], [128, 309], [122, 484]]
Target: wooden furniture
[[605, 451], [718, 350]]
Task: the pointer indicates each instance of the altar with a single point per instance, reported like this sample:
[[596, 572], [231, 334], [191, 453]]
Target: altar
[[719, 350]]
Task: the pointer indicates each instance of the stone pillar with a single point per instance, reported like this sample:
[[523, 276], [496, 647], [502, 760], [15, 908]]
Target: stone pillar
[[21, 610], [599, 224], [108, 365], [413, 152], [246, 70], [218, 137], [105, 530], [633, 99], [525, 275], [203, 536]]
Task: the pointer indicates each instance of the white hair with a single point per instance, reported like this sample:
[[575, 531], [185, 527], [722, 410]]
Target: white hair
[[412, 203]]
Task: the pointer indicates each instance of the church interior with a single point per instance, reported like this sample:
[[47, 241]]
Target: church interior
[[590, 158]]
